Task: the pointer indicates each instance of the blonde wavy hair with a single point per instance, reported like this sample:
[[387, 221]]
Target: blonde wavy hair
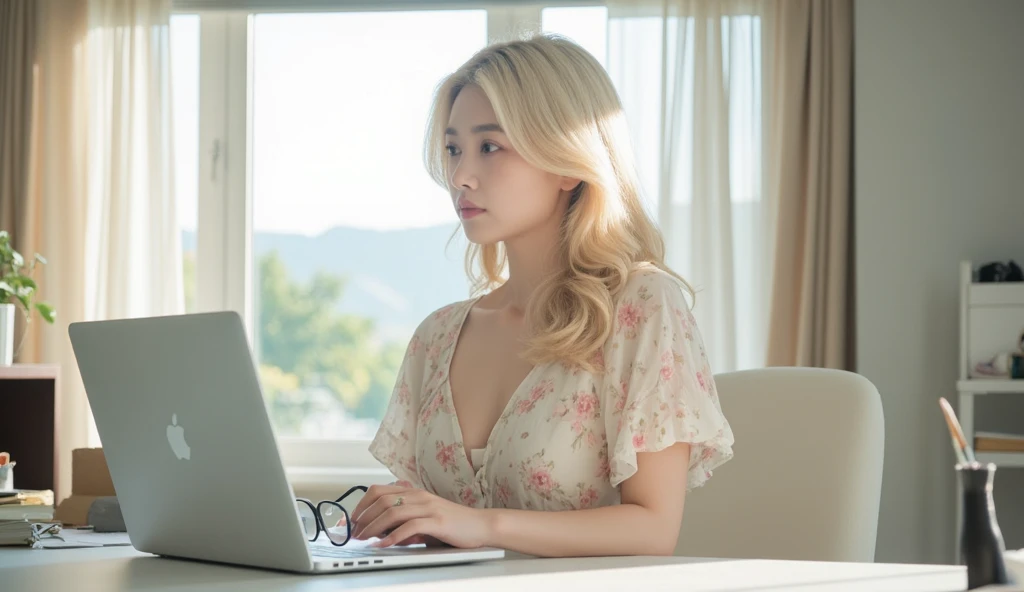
[[561, 113]]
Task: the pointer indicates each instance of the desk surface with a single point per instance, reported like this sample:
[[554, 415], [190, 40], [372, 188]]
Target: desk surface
[[122, 568]]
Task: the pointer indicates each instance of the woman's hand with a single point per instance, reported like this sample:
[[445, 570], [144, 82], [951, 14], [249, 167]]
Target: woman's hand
[[401, 515]]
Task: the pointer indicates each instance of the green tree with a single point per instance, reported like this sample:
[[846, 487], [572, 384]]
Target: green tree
[[305, 343], [283, 391]]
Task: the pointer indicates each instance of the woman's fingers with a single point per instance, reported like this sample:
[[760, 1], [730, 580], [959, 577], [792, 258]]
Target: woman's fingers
[[417, 527], [383, 504], [422, 539], [373, 514], [391, 519], [413, 540], [371, 496]]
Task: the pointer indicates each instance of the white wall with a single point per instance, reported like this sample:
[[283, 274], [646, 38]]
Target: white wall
[[939, 177]]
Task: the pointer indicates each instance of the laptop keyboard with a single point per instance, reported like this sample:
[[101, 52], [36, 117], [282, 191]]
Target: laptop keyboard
[[325, 551]]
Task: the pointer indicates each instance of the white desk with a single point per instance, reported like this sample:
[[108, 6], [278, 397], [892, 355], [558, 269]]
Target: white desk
[[118, 569]]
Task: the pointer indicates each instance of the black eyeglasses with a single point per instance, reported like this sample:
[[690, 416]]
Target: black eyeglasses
[[327, 517]]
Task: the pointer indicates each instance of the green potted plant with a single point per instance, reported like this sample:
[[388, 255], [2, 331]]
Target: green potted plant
[[17, 288]]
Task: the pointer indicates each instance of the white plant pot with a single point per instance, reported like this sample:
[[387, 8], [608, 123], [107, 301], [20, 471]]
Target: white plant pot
[[6, 334]]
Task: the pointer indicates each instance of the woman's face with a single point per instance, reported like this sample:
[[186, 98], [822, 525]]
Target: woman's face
[[497, 194]]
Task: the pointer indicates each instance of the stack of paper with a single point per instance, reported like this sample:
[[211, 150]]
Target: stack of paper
[[16, 532], [85, 537], [26, 504]]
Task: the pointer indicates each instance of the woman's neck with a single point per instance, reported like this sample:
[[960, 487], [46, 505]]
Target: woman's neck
[[531, 259]]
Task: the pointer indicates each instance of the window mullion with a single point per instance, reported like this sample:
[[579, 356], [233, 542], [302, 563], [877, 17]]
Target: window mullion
[[223, 264], [210, 247], [238, 221]]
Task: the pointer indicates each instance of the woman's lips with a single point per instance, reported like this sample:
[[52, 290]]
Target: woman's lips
[[467, 213]]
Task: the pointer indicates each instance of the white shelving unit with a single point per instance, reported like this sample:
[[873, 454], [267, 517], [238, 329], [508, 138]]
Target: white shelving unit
[[1001, 459], [991, 321]]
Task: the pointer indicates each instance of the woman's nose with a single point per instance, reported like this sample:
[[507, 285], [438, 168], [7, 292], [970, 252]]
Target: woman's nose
[[464, 176]]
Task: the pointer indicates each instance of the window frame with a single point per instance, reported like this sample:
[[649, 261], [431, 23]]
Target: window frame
[[224, 233]]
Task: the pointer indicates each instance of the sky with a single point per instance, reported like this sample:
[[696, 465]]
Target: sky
[[340, 103]]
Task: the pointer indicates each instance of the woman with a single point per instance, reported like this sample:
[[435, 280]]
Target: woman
[[566, 410]]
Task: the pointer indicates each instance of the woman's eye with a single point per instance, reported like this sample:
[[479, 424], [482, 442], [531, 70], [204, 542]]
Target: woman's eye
[[452, 150], [488, 145]]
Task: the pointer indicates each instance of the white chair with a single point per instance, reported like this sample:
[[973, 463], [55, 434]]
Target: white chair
[[807, 473]]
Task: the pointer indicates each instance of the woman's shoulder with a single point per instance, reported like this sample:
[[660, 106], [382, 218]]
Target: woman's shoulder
[[442, 320], [649, 282], [652, 299]]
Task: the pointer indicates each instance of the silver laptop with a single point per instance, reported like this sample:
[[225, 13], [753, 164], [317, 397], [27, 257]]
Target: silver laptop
[[192, 454]]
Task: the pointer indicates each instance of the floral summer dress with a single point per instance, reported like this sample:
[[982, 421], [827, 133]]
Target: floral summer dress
[[567, 438]]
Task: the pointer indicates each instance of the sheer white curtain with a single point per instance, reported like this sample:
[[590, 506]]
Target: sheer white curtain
[[689, 75], [101, 199], [133, 239]]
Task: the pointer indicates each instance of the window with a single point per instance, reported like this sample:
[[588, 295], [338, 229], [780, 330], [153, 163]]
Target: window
[[303, 201], [586, 25], [349, 232], [185, 88], [302, 197]]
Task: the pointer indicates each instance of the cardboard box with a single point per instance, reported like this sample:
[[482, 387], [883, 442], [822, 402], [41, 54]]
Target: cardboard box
[[89, 473], [90, 479], [74, 510]]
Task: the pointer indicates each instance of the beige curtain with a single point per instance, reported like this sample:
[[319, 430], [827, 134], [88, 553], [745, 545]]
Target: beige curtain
[[17, 60], [810, 182], [100, 198], [56, 208]]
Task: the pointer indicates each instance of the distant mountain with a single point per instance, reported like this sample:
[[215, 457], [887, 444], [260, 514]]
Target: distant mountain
[[395, 277]]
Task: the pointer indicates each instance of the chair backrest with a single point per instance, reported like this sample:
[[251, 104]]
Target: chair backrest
[[807, 473]]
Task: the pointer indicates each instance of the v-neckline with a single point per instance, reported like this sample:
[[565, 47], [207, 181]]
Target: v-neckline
[[456, 424]]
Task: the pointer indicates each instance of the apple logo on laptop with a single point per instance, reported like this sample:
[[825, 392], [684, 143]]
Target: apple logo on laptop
[[176, 438]]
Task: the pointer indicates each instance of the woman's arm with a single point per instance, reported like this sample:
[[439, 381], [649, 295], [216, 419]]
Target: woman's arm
[[646, 523]]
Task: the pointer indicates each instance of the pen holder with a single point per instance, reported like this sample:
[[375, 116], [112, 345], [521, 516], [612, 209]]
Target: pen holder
[[981, 541], [7, 477]]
